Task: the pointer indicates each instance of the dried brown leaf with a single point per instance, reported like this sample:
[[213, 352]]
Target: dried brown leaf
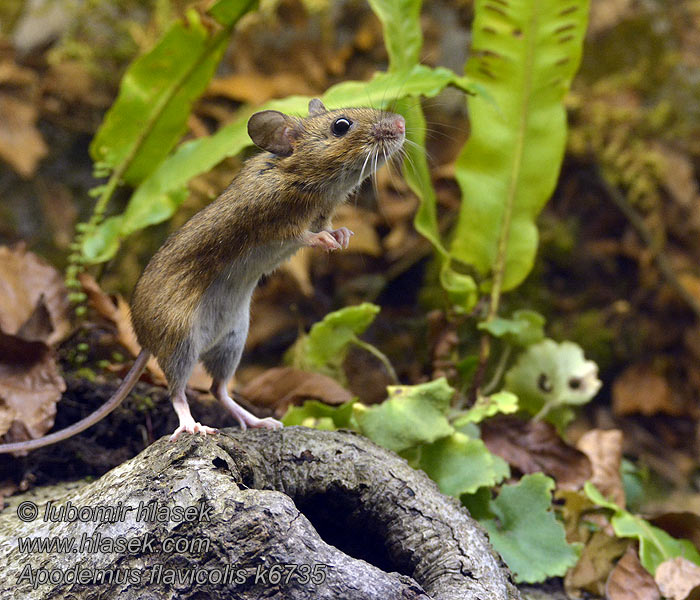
[[677, 578], [604, 449], [21, 143], [593, 568], [256, 88], [629, 580], [24, 280], [280, 387], [299, 267], [38, 326], [574, 514], [30, 386], [535, 446], [606, 14], [361, 223], [641, 390]]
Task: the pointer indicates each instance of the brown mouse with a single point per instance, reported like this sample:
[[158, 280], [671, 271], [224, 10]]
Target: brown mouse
[[192, 301]]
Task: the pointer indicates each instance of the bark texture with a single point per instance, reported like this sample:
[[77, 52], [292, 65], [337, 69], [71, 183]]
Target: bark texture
[[290, 514]]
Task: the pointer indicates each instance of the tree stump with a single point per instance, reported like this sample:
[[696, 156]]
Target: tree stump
[[291, 514]]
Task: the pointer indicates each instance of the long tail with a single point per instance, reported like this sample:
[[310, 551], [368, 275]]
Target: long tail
[[122, 392]]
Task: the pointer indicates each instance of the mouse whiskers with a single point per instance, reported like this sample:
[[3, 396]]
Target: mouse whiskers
[[362, 171]]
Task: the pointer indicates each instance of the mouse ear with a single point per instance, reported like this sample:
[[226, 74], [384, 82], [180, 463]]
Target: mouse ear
[[273, 131], [316, 107]]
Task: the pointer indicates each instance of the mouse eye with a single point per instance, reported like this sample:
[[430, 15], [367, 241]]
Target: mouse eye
[[340, 126]]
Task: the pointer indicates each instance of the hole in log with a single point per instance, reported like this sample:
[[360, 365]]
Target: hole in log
[[338, 518]]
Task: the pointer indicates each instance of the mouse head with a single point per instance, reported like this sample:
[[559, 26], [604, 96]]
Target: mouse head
[[329, 147]]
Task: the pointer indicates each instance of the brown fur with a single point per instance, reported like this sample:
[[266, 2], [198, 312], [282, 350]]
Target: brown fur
[[272, 198]]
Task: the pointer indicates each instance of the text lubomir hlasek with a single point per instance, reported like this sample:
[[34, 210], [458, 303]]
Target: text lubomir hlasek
[[148, 512]]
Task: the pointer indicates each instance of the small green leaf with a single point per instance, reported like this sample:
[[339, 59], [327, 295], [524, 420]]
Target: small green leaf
[[413, 414], [102, 242], [155, 98], [403, 37], [461, 288], [227, 12], [526, 327], [655, 545], [487, 406], [329, 339], [526, 533], [320, 416], [479, 503], [549, 376], [460, 465], [140, 214], [467, 366]]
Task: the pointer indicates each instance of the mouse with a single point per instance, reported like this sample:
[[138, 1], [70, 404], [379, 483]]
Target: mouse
[[192, 301]]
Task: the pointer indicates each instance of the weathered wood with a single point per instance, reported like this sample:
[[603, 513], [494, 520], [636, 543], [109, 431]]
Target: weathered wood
[[355, 519]]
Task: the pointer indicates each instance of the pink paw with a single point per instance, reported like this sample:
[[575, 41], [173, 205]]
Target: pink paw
[[192, 427], [248, 420], [323, 239], [342, 235]]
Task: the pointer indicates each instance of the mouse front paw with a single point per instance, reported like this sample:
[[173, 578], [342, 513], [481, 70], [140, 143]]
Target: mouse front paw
[[342, 235], [322, 239]]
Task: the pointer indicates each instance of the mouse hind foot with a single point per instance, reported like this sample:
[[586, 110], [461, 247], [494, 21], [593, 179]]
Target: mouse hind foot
[[187, 422], [245, 418]]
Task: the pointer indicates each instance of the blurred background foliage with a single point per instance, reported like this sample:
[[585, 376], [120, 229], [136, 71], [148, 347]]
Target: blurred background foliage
[[618, 266], [634, 124]]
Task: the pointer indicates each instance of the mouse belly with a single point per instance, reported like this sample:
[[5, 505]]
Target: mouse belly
[[225, 304]]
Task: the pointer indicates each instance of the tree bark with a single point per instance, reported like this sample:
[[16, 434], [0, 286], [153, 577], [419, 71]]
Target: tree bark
[[291, 514]]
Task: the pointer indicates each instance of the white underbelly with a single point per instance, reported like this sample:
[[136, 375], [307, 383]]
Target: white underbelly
[[225, 305]]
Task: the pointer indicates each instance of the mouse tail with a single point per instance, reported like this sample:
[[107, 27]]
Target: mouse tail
[[117, 398]]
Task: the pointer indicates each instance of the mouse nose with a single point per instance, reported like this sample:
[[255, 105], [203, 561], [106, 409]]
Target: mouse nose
[[400, 124]]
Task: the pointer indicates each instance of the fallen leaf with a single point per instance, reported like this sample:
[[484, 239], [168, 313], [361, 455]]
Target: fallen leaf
[[575, 512], [640, 390], [38, 327], [299, 267], [30, 386], [629, 580], [361, 223], [533, 446], [116, 312], [606, 15], [256, 88], [7, 488], [70, 80], [21, 143], [271, 311], [280, 387], [604, 450], [24, 280], [595, 564], [677, 578]]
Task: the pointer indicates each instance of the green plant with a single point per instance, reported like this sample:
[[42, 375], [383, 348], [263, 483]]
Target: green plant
[[655, 545], [524, 56], [135, 143], [418, 422]]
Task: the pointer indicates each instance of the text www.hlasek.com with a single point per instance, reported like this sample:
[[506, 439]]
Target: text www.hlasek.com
[[97, 543]]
